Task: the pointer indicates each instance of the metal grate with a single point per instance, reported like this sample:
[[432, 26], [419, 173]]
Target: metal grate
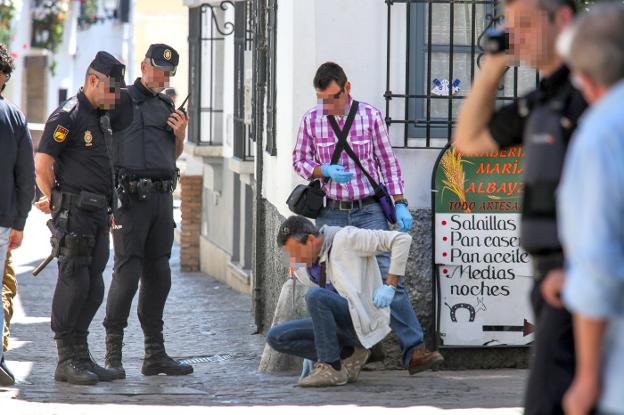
[[243, 45], [207, 32], [442, 40], [217, 358]]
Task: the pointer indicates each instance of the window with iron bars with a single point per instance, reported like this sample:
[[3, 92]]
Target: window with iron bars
[[207, 34], [442, 56], [243, 44]]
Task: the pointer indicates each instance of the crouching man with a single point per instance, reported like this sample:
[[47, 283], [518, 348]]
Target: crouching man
[[348, 300]]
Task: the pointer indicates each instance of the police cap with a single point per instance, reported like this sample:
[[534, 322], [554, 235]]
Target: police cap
[[163, 57], [108, 65]]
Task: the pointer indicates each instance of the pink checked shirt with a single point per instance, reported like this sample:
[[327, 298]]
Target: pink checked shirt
[[369, 140]]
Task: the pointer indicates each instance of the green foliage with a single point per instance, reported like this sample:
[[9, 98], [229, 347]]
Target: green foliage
[[7, 10], [88, 13]]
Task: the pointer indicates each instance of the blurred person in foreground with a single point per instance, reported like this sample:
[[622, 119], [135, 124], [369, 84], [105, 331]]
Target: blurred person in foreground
[[543, 122], [591, 214]]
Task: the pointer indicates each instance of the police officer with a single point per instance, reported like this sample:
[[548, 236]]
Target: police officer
[[74, 174], [145, 156], [543, 122]]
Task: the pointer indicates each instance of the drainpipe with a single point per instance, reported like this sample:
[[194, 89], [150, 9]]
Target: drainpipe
[[259, 91]]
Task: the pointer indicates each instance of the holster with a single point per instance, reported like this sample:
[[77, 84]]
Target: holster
[[69, 245], [77, 248]]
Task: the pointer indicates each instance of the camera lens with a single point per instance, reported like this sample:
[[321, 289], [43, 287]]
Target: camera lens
[[495, 41]]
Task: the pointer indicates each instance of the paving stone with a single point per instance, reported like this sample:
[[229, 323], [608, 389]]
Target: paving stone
[[212, 326]]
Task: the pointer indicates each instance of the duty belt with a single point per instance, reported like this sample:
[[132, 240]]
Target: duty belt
[[350, 204], [83, 200], [147, 185]]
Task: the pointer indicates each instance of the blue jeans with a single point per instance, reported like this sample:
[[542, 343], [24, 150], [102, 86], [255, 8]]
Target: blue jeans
[[321, 337], [403, 319], [4, 247]]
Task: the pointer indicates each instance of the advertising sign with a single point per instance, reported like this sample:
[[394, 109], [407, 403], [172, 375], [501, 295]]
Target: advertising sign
[[482, 275]]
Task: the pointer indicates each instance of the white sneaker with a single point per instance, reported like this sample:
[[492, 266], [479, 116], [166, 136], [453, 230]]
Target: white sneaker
[[324, 375], [354, 363]]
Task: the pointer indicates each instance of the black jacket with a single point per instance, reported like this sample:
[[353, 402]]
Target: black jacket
[[17, 167]]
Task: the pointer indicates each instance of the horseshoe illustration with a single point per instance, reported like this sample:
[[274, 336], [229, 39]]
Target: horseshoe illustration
[[456, 307]]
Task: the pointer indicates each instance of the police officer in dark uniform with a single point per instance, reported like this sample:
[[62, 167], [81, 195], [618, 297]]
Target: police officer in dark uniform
[[543, 122], [145, 156], [74, 174]]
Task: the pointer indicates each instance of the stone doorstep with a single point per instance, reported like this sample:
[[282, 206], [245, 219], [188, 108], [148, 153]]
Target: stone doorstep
[[239, 278]]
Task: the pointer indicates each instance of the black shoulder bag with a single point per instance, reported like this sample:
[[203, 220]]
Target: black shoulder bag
[[308, 200]]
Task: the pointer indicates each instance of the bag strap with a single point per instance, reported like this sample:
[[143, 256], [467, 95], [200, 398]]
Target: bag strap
[[347, 127], [343, 144], [323, 266]]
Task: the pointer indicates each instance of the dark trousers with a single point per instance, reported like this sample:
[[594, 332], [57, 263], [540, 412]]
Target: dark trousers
[[552, 361], [80, 288], [142, 236]]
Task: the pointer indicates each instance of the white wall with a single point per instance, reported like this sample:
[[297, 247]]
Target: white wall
[[73, 57], [21, 27], [352, 33], [107, 36]]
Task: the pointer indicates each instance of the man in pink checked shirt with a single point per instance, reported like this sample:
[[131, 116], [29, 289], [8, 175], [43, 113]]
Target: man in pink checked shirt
[[350, 200]]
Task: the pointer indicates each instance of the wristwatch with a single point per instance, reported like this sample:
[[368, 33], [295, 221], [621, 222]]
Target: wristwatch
[[402, 202]]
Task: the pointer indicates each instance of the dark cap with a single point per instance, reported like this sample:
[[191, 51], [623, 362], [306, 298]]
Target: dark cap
[[163, 56], [108, 65]]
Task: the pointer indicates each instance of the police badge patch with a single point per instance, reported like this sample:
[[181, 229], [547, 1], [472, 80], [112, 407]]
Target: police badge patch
[[60, 133], [88, 138], [167, 54]]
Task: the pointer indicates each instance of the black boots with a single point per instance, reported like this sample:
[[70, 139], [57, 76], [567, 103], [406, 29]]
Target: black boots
[[112, 360], [86, 360], [69, 369], [157, 361]]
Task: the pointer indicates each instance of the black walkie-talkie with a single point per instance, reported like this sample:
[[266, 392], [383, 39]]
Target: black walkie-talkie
[[181, 107]]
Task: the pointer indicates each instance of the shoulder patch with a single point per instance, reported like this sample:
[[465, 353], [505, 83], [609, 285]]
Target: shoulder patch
[[60, 133], [70, 104]]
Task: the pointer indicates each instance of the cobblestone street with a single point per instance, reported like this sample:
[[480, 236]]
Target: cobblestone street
[[211, 326]]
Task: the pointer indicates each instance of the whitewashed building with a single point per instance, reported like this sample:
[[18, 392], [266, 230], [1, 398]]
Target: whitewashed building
[[251, 70], [53, 43]]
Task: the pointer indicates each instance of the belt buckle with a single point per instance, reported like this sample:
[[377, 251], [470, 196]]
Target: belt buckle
[[342, 203]]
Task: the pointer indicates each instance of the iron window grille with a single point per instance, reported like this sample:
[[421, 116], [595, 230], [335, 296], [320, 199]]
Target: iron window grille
[[243, 46], [207, 32], [271, 82], [442, 55]]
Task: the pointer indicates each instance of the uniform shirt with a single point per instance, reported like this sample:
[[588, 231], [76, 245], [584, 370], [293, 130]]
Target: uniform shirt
[[507, 123], [368, 137], [591, 223], [72, 135], [507, 128]]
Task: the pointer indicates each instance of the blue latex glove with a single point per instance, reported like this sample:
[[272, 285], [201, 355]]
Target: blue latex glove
[[336, 173], [404, 217], [383, 296], [308, 365]]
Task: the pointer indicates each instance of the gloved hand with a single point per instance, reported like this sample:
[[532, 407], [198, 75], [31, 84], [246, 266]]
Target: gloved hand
[[336, 173], [383, 296], [404, 217], [308, 365]]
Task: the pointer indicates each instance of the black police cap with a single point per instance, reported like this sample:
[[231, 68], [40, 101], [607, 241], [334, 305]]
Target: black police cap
[[108, 65], [163, 56]]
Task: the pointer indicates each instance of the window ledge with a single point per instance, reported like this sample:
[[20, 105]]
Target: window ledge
[[241, 167], [203, 151]]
